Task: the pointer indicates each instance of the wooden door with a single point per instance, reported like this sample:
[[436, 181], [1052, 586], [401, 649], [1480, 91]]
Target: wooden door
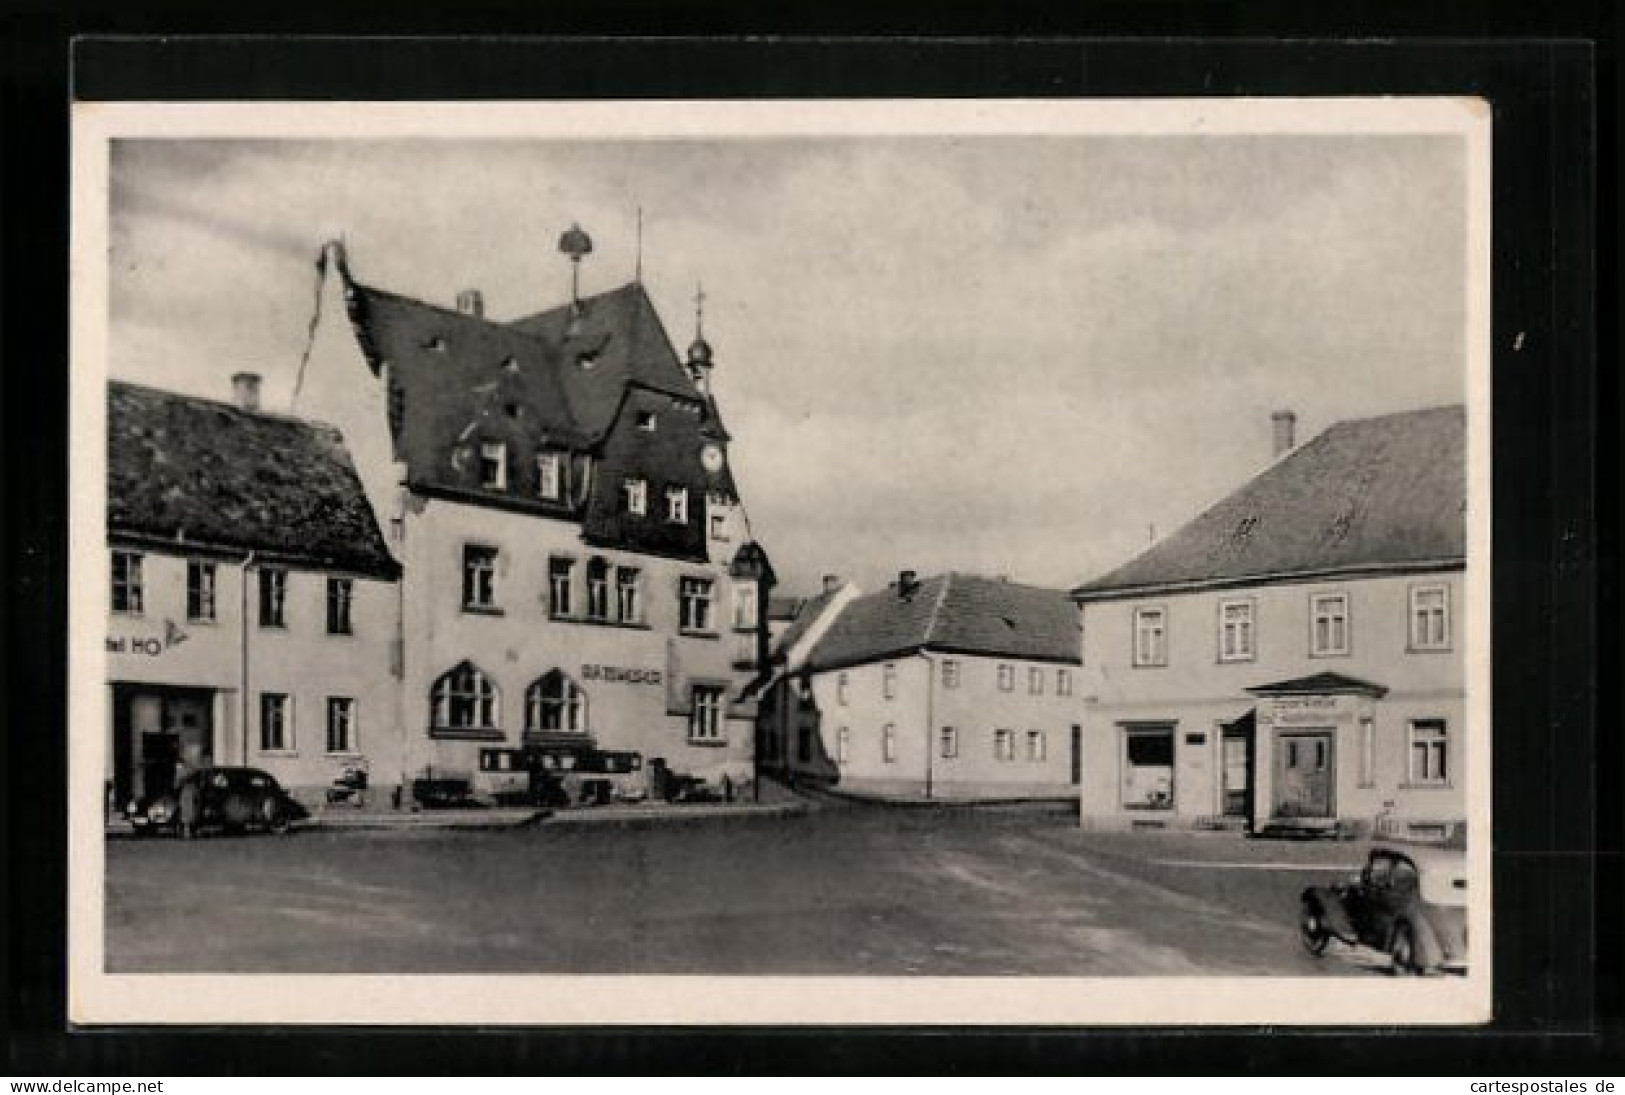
[[1304, 771]]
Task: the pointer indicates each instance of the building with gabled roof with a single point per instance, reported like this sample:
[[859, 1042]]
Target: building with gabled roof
[[253, 608], [578, 574], [949, 687], [1292, 657]]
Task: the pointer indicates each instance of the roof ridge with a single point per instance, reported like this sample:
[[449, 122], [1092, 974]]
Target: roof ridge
[[228, 405], [507, 328]]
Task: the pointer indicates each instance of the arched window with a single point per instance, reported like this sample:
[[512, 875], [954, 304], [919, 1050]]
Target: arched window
[[555, 702], [463, 699]]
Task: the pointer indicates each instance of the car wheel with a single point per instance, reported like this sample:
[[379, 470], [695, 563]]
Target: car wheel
[[279, 821], [1312, 931], [1403, 952]]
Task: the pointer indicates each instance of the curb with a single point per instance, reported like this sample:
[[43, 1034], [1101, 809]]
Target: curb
[[671, 817]]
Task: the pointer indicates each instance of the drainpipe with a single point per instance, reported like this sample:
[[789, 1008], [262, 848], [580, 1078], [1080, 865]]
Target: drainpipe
[[930, 696], [248, 561]]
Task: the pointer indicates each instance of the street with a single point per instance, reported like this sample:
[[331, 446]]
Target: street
[[854, 891]]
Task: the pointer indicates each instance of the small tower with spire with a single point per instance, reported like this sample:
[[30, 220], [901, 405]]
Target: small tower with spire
[[575, 243], [699, 351]]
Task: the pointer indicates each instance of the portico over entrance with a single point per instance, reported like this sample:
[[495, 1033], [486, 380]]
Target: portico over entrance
[[1313, 734]]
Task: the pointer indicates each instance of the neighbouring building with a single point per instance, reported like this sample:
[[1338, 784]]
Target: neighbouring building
[[951, 687], [577, 571], [1292, 658], [253, 615], [787, 742]]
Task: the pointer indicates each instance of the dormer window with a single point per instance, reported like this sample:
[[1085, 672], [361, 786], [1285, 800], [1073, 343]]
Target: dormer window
[[677, 505], [586, 361], [434, 342], [646, 421], [510, 365], [550, 475], [494, 465], [636, 492]]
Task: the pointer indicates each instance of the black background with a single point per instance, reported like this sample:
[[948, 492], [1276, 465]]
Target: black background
[[1557, 816]]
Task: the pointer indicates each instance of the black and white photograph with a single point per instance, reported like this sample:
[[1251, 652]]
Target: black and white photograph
[[996, 562]]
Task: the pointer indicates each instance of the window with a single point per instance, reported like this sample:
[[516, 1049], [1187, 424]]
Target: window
[[745, 606], [804, 744], [340, 598], [888, 743], [888, 680], [560, 580], [1004, 745], [276, 727], [127, 582], [1035, 680], [1329, 624], [1430, 617], [950, 673], [1368, 753], [719, 527], [843, 745], [341, 724], [550, 475], [1036, 745], [949, 739], [463, 699], [1235, 631], [479, 576], [597, 589], [555, 702], [705, 714], [677, 505], [842, 690], [1150, 636], [694, 603], [1007, 678], [629, 595], [1148, 768], [1430, 751], [646, 421], [1063, 682], [494, 465], [636, 493], [273, 597], [199, 591]]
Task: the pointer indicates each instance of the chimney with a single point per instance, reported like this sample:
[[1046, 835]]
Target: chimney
[[906, 584], [1285, 429], [245, 390], [832, 582], [471, 302]]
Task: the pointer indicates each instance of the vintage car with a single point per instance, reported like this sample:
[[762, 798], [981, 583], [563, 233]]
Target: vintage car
[[1408, 901], [233, 799]]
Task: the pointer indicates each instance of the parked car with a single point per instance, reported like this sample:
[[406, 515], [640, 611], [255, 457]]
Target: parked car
[[234, 799], [1410, 902]]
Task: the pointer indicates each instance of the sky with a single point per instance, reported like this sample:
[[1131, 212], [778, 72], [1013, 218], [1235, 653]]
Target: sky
[[1020, 356]]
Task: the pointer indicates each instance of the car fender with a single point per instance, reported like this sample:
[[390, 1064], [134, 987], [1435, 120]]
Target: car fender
[[1429, 951], [1334, 915]]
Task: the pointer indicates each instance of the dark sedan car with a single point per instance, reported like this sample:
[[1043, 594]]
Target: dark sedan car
[[233, 799], [1408, 901]]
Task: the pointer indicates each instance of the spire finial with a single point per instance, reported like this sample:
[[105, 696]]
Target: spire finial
[[699, 310]]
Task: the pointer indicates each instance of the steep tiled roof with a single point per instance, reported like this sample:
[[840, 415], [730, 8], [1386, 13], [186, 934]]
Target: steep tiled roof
[[808, 610], [953, 612], [1367, 494], [197, 474]]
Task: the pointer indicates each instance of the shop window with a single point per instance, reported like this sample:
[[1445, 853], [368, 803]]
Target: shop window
[[629, 594], [1148, 769], [1037, 747], [340, 599], [705, 713], [1236, 631], [635, 493], [479, 576], [494, 465], [341, 736], [888, 743], [463, 699], [200, 591], [554, 702], [694, 603], [560, 582], [276, 723], [1329, 624], [950, 673], [273, 597], [1150, 637], [949, 740], [1430, 617], [1430, 751], [127, 591]]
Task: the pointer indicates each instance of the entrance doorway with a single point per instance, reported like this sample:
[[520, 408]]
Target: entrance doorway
[[1236, 767], [159, 733], [1304, 770]]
